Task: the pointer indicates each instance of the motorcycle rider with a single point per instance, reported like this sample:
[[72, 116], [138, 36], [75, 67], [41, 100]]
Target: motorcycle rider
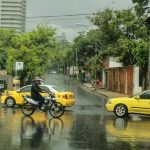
[[35, 91]]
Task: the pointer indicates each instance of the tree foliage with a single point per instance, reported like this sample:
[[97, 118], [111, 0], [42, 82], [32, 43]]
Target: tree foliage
[[88, 46], [32, 48], [121, 34], [62, 55], [141, 6], [7, 40]]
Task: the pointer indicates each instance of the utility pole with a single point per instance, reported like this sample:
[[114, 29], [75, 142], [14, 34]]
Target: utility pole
[[95, 65], [148, 75], [148, 31], [77, 68]]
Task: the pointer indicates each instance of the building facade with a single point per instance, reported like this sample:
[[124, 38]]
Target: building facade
[[13, 14], [119, 78]]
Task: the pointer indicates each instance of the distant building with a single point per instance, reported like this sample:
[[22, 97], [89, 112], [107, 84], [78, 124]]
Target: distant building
[[13, 14]]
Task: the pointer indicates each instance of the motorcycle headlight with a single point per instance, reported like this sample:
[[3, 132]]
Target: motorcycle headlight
[[46, 100]]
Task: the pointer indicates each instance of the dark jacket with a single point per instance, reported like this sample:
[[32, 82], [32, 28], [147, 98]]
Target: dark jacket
[[35, 92]]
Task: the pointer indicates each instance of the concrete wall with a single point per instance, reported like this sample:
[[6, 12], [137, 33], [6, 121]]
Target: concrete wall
[[113, 62], [136, 87]]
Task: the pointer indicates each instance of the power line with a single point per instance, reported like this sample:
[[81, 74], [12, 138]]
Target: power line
[[55, 16], [66, 19]]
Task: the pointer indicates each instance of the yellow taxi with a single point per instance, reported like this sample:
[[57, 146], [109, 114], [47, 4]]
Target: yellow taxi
[[12, 98], [16, 81], [123, 106]]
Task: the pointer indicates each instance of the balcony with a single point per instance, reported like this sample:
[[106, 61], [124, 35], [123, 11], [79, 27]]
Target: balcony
[[11, 9], [11, 13], [10, 26], [11, 21]]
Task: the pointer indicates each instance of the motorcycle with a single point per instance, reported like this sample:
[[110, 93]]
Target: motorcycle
[[55, 108]]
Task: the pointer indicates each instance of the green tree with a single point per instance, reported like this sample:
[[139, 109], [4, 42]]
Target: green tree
[[122, 34], [62, 56], [141, 6], [7, 40], [89, 49], [34, 49]]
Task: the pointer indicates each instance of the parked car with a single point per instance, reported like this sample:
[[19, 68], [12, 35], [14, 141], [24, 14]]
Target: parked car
[[122, 106], [52, 71], [12, 98], [3, 84], [16, 81]]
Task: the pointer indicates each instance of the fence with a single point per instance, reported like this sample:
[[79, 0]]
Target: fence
[[120, 80]]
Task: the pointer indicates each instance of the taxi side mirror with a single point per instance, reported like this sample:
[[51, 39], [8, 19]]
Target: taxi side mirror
[[137, 97], [18, 91]]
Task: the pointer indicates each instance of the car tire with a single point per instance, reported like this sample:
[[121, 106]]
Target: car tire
[[10, 102], [121, 110]]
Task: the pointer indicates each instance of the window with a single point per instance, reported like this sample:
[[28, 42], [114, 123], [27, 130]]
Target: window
[[3, 84], [145, 95], [2, 81], [26, 89]]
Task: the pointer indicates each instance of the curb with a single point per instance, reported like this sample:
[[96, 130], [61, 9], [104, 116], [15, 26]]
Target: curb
[[93, 91], [102, 92]]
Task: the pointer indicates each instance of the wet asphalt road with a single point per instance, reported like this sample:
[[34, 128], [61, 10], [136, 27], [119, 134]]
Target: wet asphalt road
[[84, 126]]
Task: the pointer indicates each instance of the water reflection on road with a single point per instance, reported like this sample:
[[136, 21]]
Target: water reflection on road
[[133, 130], [38, 131], [87, 125], [82, 131]]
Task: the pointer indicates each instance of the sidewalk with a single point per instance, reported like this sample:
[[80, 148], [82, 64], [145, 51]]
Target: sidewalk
[[103, 92]]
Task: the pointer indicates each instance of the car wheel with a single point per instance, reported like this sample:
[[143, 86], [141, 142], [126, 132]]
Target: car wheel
[[121, 110], [10, 102]]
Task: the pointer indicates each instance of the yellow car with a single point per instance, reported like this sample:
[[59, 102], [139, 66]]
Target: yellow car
[[12, 98], [122, 106], [16, 81]]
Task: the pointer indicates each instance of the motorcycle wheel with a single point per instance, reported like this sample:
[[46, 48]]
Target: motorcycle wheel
[[56, 110], [27, 109]]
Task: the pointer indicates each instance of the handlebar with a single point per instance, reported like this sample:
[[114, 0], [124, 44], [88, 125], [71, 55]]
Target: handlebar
[[49, 93]]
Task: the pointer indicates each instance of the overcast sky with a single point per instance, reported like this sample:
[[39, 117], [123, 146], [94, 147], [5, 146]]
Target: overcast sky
[[58, 11]]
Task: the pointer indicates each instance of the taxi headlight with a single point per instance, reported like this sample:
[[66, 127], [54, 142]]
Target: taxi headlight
[[109, 102], [7, 93]]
